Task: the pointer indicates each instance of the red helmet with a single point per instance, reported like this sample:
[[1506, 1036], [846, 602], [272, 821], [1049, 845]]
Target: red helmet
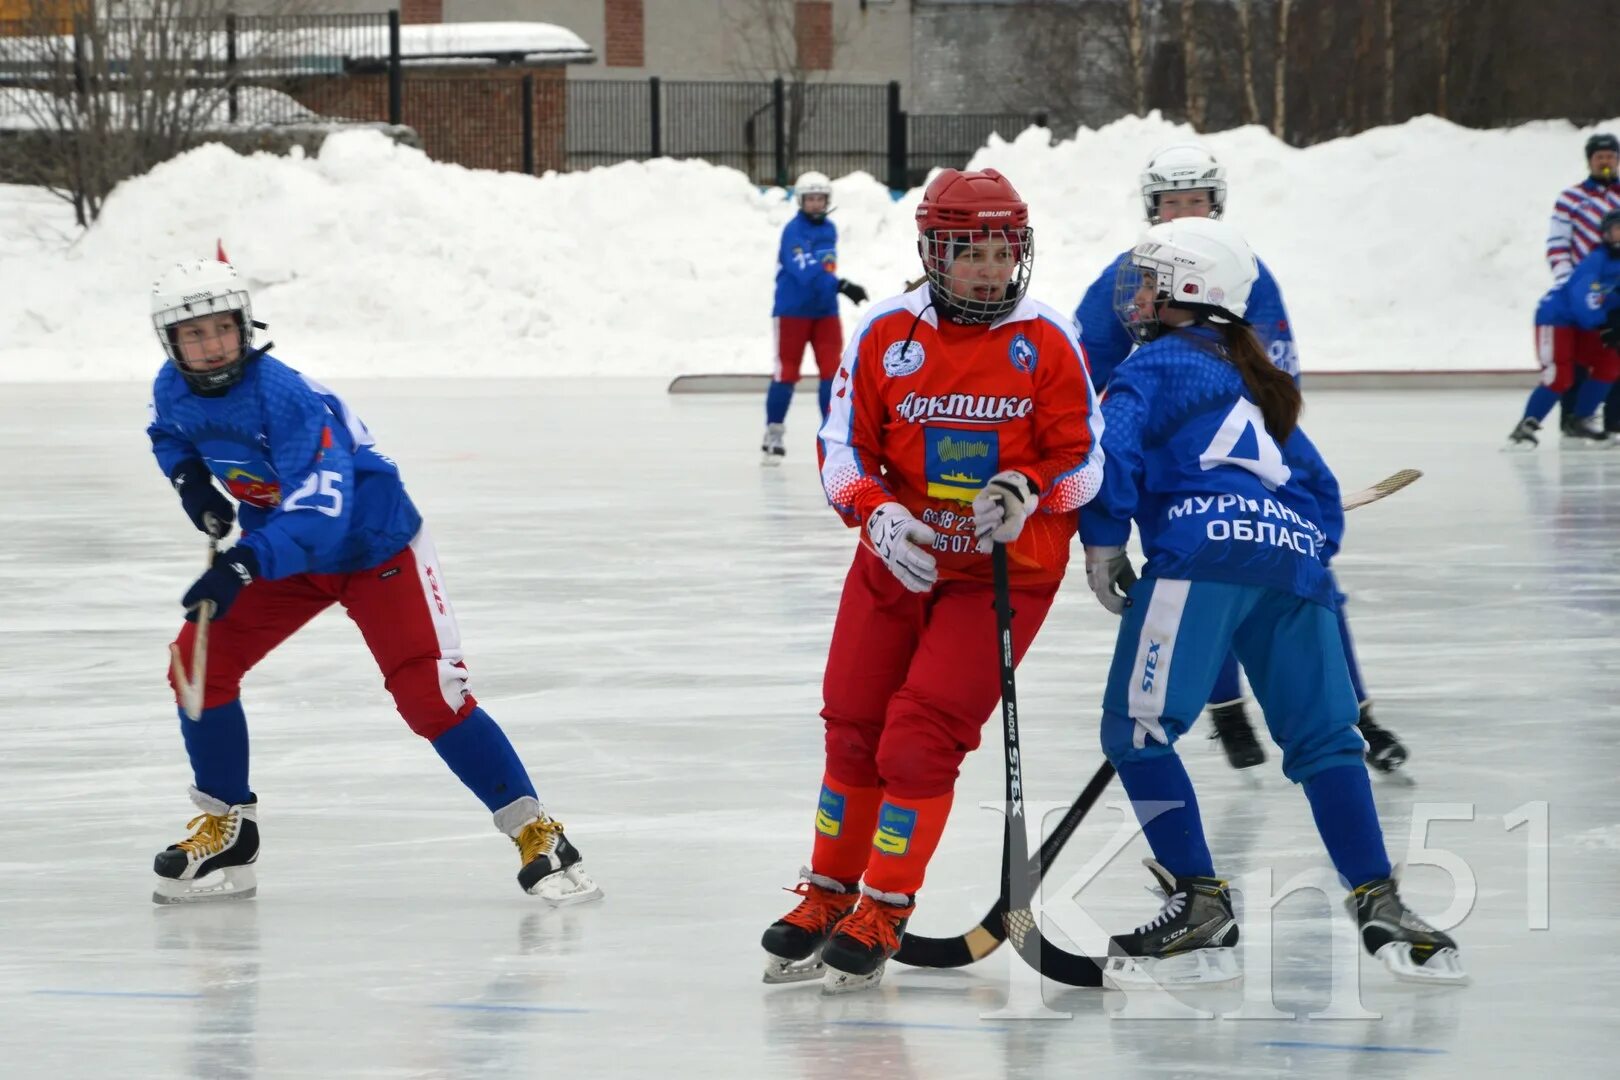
[[958, 210], [971, 200]]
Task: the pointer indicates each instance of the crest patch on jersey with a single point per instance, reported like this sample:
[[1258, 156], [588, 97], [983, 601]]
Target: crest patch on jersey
[[895, 365], [959, 463], [1022, 354]]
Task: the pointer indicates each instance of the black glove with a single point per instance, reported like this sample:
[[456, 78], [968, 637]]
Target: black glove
[[1610, 334], [852, 290], [233, 568], [207, 507]]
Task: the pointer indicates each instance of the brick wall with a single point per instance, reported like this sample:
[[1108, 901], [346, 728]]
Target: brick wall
[[472, 118], [813, 34], [421, 11], [625, 30]]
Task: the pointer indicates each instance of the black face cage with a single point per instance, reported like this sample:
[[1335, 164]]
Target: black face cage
[[167, 323], [1134, 271], [941, 248]]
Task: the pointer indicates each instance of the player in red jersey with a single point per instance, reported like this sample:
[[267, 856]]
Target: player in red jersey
[[962, 414]]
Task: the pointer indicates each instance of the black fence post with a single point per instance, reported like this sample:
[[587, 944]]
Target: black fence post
[[528, 125], [779, 123], [396, 72], [655, 115], [230, 65], [897, 140]]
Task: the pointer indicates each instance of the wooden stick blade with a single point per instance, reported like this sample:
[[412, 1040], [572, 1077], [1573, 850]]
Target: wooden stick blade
[[1387, 486]]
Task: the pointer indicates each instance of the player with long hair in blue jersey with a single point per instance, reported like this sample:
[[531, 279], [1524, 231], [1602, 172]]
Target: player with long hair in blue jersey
[[1184, 180], [325, 519], [1238, 516]]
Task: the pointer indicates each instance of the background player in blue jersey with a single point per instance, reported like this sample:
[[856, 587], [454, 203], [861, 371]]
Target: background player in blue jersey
[[805, 311], [1185, 181], [1238, 516], [1578, 326], [325, 520]]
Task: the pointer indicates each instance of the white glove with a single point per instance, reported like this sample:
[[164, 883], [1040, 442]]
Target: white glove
[[1106, 569], [1001, 506], [896, 536]]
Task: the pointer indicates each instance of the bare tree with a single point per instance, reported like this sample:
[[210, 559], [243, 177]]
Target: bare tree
[[768, 47], [1196, 100], [1251, 103], [112, 88], [1279, 101]]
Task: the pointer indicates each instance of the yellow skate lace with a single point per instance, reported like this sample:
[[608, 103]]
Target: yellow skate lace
[[873, 923], [537, 838], [213, 831], [820, 907]]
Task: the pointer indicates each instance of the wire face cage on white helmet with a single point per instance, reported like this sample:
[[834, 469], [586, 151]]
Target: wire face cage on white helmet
[[1183, 167], [813, 183], [1194, 264], [192, 290]]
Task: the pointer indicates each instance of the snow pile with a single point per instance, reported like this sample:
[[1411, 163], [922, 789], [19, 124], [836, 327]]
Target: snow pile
[[1411, 247]]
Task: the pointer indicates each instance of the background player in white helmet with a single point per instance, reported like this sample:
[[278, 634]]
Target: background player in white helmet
[[1180, 181], [325, 520], [1237, 542], [805, 311], [1572, 234]]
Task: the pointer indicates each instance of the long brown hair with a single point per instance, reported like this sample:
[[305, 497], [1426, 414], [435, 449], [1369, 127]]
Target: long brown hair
[[1273, 389]]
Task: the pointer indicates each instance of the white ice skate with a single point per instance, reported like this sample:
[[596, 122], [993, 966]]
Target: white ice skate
[[772, 448], [216, 861], [553, 869]]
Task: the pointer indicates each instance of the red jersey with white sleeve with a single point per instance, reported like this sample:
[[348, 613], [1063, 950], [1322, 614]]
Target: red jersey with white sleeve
[[925, 411]]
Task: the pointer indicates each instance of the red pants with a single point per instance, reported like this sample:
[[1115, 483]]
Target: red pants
[[1562, 348], [912, 678], [401, 609], [825, 336]]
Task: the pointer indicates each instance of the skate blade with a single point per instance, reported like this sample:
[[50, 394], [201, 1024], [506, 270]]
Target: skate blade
[[231, 883], [1587, 444], [1199, 967], [769, 460], [1444, 967], [567, 887], [779, 971], [842, 982]]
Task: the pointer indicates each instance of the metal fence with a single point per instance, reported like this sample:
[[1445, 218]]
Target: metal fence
[[772, 131], [235, 72]]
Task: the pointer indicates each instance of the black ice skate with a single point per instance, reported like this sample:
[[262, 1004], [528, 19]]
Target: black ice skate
[[553, 869], [1586, 433], [1385, 752], [216, 861], [863, 941], [1409, 947], [772, 448], [1232, 727], [1523, 435], [1192, 942], [794, 942]]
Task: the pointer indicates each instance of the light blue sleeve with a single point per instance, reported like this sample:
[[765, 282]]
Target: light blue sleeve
[[1268, 315], [169, 446], [317, 479], [1106, 519], [1318, 481], [1104, 337]]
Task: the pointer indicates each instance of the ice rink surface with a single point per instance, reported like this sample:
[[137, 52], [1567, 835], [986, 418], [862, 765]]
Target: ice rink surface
[[646, 611]]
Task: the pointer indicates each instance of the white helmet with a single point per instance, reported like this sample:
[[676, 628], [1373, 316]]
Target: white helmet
[[1197, 264], [192, 289], [1183, 167], [813, 183]]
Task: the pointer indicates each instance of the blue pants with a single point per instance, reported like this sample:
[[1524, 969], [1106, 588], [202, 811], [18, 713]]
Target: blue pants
[[1172, 642], [1229, 688]]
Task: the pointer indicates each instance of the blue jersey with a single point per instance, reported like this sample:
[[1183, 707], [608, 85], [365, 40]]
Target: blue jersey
[[315, 496], [807, 269], [1213, 494], [1587, 296], [1107, 341]]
